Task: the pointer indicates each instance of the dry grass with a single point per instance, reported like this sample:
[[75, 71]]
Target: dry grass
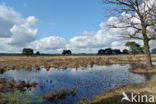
[[143, 69], [114, 96], [12, 85], [63, 62], [54, 95], [59, 94]]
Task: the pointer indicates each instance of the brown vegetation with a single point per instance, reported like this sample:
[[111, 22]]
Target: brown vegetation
[[143, 69], [63, 62], [54, 95], [114, 96], [72, 91], [6, 86], [59, 94]]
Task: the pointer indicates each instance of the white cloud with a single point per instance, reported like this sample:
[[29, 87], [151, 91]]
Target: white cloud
[[49, 44], [32, 20], [93, 41], [16, 30], [8, 17], [20, 33]]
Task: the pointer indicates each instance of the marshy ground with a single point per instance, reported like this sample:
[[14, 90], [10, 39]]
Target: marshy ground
[[101, 73], [64, 62]]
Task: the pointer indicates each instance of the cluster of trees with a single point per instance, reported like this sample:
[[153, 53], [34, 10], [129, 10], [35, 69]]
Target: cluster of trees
[[66, 52], [109, 51], [134, 48], [29, 51]]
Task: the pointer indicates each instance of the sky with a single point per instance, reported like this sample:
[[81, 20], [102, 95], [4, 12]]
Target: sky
[[50, 26], [59, 17]]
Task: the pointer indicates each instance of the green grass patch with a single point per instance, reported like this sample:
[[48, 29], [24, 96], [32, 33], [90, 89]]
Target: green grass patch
[[19, 98]]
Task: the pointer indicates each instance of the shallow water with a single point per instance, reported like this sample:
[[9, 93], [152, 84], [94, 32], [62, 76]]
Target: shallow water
[[88, 81]]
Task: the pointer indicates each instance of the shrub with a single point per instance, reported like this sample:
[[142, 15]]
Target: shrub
[[27, 51], [37, 53], [125, 51], [66, 52], [109, 51], [101, 51], [116, 51]]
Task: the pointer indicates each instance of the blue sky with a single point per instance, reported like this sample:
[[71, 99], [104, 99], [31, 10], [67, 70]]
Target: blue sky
[[65, 18], [50, 26]]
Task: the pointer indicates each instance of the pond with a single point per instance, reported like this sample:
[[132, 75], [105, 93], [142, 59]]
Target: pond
[[87, 81]]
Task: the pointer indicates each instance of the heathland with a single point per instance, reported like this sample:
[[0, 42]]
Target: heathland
[[69, 61], [112, 96]]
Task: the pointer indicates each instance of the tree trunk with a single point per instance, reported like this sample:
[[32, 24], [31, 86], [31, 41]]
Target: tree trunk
[[147, 53], [146, 45]]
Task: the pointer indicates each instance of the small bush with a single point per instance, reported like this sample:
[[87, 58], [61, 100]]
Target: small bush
[[37, 53], [101, 51], [27, 51], [125, 51], [66, 52]]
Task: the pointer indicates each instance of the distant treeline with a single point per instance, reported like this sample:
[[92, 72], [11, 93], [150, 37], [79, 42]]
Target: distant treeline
[[107, 51], [74, 54]]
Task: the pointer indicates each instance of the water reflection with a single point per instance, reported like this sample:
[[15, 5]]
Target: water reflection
[[88, 82]]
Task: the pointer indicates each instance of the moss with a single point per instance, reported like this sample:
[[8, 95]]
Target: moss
[[18, 98], [3, 99]]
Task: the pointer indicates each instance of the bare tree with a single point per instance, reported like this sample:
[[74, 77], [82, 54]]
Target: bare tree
[[140, 17]]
